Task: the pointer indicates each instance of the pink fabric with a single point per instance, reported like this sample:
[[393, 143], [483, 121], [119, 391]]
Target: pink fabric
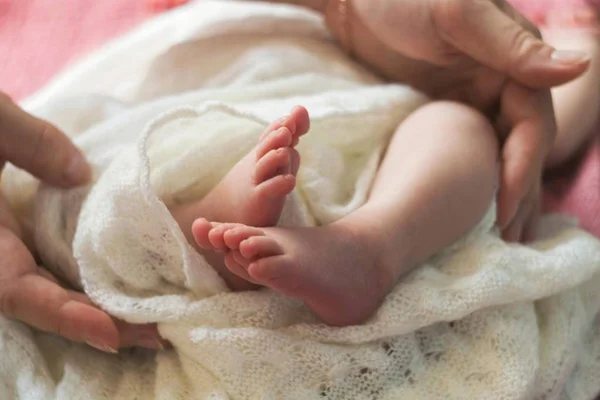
[[536, 10], [39, 37], [574, 189]]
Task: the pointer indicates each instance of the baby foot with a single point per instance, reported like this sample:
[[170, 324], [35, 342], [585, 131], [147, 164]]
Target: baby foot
[[254, 190], [330, 269], [256, 187]]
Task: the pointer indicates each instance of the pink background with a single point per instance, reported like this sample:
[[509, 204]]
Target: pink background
[[39, 37]]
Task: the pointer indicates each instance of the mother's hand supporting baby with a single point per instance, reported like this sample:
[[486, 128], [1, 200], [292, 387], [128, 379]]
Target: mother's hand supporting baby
[[479, 52], [27, 292]]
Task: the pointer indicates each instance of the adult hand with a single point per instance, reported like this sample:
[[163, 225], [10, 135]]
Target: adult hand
[[27, 292], [479, 52]]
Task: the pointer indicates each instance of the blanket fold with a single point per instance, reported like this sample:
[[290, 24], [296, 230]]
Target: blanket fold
[[162, 114]]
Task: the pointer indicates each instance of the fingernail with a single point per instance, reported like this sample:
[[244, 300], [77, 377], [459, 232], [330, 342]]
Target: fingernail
[[570, 57], [102, 347], [78, 170], [150, 342]]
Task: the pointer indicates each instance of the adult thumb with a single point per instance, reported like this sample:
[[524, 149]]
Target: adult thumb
[[496, 35]]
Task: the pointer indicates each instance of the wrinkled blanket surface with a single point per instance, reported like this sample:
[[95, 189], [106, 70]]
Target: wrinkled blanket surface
[[174, 105]]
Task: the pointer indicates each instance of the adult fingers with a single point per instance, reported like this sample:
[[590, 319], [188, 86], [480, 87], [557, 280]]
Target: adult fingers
[[483, 30], [43, 304], [146, 336], [531, 117], [40, 302], [130, 335], [520, 226], [512, 233], [38, 147], [7, 219], [532, 222]]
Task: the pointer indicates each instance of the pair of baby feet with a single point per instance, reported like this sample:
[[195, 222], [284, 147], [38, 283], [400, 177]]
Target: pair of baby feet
[[330, 268]]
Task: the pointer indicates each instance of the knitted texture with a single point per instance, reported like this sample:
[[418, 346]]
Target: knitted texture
[[178, 103]]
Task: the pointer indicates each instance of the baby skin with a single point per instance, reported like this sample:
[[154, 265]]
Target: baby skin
[[429, 192], [254, 190]]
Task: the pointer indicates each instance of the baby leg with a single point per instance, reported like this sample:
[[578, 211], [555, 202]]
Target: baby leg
[[436, 181]]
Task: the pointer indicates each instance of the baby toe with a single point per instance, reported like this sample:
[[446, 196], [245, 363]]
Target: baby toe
[[278, 273], [259, 247], [235, 236], [275, 187], [215, 236], [200, 230], [275, 162], [236, 267], [282, 137], [299, 115], [241, 260]]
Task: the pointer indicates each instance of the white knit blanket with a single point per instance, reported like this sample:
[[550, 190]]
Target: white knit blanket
[[162, 114]]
